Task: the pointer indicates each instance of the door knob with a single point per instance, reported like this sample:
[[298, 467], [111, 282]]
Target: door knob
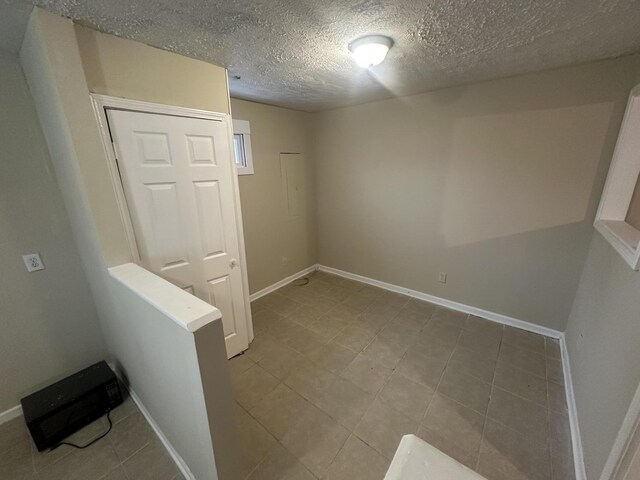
[[233, 263]]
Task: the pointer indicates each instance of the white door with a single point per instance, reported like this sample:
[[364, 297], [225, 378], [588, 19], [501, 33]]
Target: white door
[[177, 177]]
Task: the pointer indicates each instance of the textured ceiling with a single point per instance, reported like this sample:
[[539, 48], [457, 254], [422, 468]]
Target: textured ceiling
[[293, 53]]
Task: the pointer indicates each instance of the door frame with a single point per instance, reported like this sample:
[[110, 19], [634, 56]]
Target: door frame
[[102, 102]]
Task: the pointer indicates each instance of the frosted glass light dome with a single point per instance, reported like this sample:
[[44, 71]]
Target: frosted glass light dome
[[371, 50]]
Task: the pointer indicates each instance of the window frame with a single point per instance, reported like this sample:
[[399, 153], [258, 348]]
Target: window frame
[[621, 182], [243, 128]]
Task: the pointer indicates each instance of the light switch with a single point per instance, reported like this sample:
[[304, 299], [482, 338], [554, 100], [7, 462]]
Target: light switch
[[33, 262]]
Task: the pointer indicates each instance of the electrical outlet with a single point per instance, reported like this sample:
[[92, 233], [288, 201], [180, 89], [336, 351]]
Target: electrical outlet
[[285, 260], [442, 277], [33, 262]]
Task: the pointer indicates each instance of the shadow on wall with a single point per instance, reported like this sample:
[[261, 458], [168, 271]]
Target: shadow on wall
[[495, 183]]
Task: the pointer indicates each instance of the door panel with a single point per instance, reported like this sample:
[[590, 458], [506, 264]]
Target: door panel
[[177, 176], [220, 293]]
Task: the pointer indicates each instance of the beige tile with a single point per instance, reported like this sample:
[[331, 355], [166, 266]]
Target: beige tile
[[15, 461], [560, 434], [488, 345], [452, 317], [280, 464], [309, 380], [411, 318], [359, 300], [562, 468], [482, 326], [448, 447], [354, 337], [477, 364], [455, 422], [552, 348], [285, 306], [555, 373], [506, 455], [385, 352], [43, 459], [266, 320], [281, 362], [116, 474], [125, 409], [523, 416], [343, 312], [304, 340], [88, 464], [253, 385], [316, 440], [285, 330], [557, 397], [397, 333], [152, 463], [367, 374], [523, 339], [465, 389], [421, 369], [382, 428], [372, 321], [425, 308], [306, 315], [130, 435], [432, 347], [521, 383], [357, 461], [280, 410], [262, 346], [443, 331], [522, 358], [406, 396], [332, 357], [255, 442], [345, 402], [13, 432], [328, 326]]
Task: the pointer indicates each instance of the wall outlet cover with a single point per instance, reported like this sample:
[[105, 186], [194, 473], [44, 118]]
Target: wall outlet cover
[[442, 277], [33, 262]]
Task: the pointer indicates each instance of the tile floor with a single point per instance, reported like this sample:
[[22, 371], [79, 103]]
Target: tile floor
[[131, 451], [340, 370]]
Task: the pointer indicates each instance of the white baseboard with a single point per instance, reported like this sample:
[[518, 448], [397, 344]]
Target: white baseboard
[[506, 320], [576, 439], [282, 283], [10, 414], [179, 461], [443, 302]]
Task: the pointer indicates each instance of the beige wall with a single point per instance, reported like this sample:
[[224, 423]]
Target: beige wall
[[494, 183], [603, 338], [123, 68], [270, 235], [48, 320], [151, 351]]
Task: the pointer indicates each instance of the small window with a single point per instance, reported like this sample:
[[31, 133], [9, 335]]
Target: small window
[[618, 217], [242, 147]]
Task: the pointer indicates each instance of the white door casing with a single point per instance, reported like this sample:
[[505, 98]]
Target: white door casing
[[177, 176]]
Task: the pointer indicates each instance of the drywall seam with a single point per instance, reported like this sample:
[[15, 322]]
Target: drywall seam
[[576, 439], [461, 307], [282, 283]]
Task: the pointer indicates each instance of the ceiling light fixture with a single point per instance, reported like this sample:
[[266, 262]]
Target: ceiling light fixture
[[371, 50]]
